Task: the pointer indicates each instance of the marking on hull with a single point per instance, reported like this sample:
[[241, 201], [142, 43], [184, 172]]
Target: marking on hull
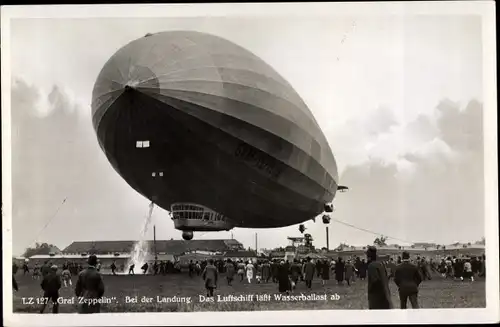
[[258, 159]]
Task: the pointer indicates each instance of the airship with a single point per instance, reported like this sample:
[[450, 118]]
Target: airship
[[211, 133]]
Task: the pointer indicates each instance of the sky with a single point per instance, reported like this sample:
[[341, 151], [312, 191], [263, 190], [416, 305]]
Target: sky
[[398, 99]]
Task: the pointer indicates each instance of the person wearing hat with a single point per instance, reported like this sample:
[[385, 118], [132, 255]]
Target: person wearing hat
[[90, 286], [379, 294], [284, 283], [408, 278], [51, 284], [210, 276], [308, 272]]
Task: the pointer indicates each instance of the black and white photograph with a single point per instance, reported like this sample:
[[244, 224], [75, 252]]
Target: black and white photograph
[[227, 159]]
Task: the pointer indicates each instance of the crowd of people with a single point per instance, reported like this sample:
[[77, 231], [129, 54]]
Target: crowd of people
[[89, 285], [37, 272], [407, 274]]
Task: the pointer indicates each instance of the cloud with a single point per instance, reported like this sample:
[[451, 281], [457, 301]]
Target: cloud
[[55, 156], [379, 121], [422, 181]]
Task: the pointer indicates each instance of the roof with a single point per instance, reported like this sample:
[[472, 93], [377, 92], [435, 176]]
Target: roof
[[76, 256], [164, 246], [409, 248], [240, 254]]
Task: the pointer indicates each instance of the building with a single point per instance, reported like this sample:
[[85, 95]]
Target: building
[[424, 250], [172, 247], [120, 251]]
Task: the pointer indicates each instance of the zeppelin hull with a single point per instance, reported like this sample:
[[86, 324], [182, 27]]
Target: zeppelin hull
[[253, 153]]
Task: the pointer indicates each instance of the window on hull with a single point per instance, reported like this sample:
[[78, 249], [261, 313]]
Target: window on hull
[[142, 144]]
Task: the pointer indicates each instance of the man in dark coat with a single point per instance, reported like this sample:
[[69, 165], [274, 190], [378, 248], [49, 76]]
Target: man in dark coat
[[266, 271], [26, 269], [339, 271], [357, 266], [45, 269], [408, 278], [309, 269], [458, 268], [191, 268], [51, 284], [363, 266], [284, 284], [274, 271], [379, 295], [14, 283], [90, 286], [113, 268], [210, 275], [295, 272], [145, 268], [318, 268], [230, 271], [14, 268]]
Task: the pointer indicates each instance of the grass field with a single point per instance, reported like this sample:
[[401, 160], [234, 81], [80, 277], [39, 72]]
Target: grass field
[[437, 293]]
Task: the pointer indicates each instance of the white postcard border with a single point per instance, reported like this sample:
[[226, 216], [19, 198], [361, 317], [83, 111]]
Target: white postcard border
[[483, 8]]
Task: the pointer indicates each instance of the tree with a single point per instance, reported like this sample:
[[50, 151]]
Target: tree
[[481, 242], [40, 248], [380, 241]]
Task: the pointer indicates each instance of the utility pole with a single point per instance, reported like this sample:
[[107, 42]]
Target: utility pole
[[327, 240], [154, 242], [255, 243]]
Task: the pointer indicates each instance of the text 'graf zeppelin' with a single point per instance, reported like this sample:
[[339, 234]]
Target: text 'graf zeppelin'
[[259, 159]]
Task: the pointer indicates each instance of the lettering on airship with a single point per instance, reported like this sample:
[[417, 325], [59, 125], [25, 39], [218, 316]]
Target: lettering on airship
[[258, 159]]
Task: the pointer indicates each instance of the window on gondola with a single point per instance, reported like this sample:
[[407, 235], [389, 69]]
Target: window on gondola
[[206, 216], [145, 144], [138, 144]]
